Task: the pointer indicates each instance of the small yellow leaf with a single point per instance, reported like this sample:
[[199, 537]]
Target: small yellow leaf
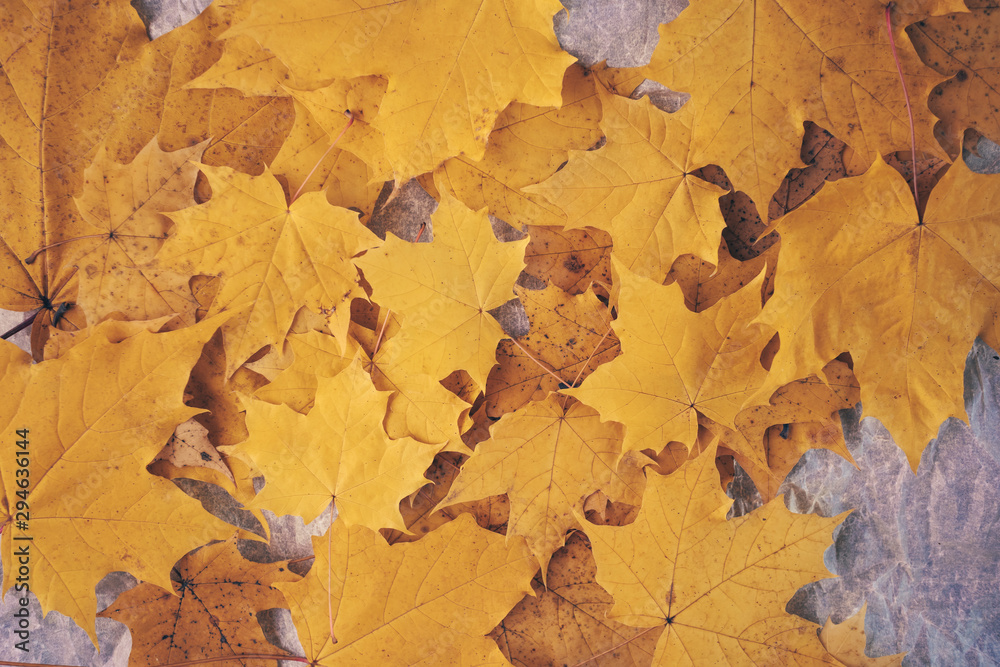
[[444, 290]]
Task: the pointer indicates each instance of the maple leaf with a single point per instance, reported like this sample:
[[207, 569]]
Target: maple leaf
[[122, 206], [68, 75], [569, 337], [91, 421], [338, 452], [431, 600], [419, 406], [639, 187], [527, 144], [210, 613], [570, 259], [459, 74], [757, 70], [683, 566], [905, 295], [676, 364], [273, 257], [573, 606], [846, 642], [704, 284], [953, 46], [799, 417], [444, 291], [548, 457]]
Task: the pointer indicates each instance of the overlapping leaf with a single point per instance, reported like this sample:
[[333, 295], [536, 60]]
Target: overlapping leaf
[[640, 189], [465, 63], [905, 296], [122, 227], [431, 600], [676, 364], [93, 507], [444, 291], [527, 144], [572, 606], [569, 337], [719, 587], [757, 70], [337, 453], [211, 611], [548, 457], [273, 258]]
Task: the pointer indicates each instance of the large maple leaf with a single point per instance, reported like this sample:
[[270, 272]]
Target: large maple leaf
[[757, 69], [273, 257], [465, 63], [639, 187], [92, 420], [719, 587], [862, 272], [209, 613], [676, 364], [548, 457], [338, 452], [432, 601], [445, 289], [68, 74]]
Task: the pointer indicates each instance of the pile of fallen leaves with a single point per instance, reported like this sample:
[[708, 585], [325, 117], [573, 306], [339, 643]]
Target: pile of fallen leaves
[[189, 223]]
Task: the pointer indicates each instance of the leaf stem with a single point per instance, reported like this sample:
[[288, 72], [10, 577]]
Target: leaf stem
[[381, 332], [350, 122], [906, 96], [20, 327]]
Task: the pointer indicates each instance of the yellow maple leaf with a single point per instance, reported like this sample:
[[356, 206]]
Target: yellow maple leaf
[[954, 46], [676, 364], [430, 601], [861, 272], [89, 422], [122, 206], [338, 452], [640, 189], [548, 457], [800, 416], [572, 606], [444, 291], [273, 257], [527, 144], [569, 337], [465, 62], [719, 587], [210, 612], [846, 641], [570, 259], [758, 70]]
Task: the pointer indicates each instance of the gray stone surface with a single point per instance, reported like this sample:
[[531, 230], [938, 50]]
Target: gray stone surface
[[162, 16], [622, 33], [924, 549]]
